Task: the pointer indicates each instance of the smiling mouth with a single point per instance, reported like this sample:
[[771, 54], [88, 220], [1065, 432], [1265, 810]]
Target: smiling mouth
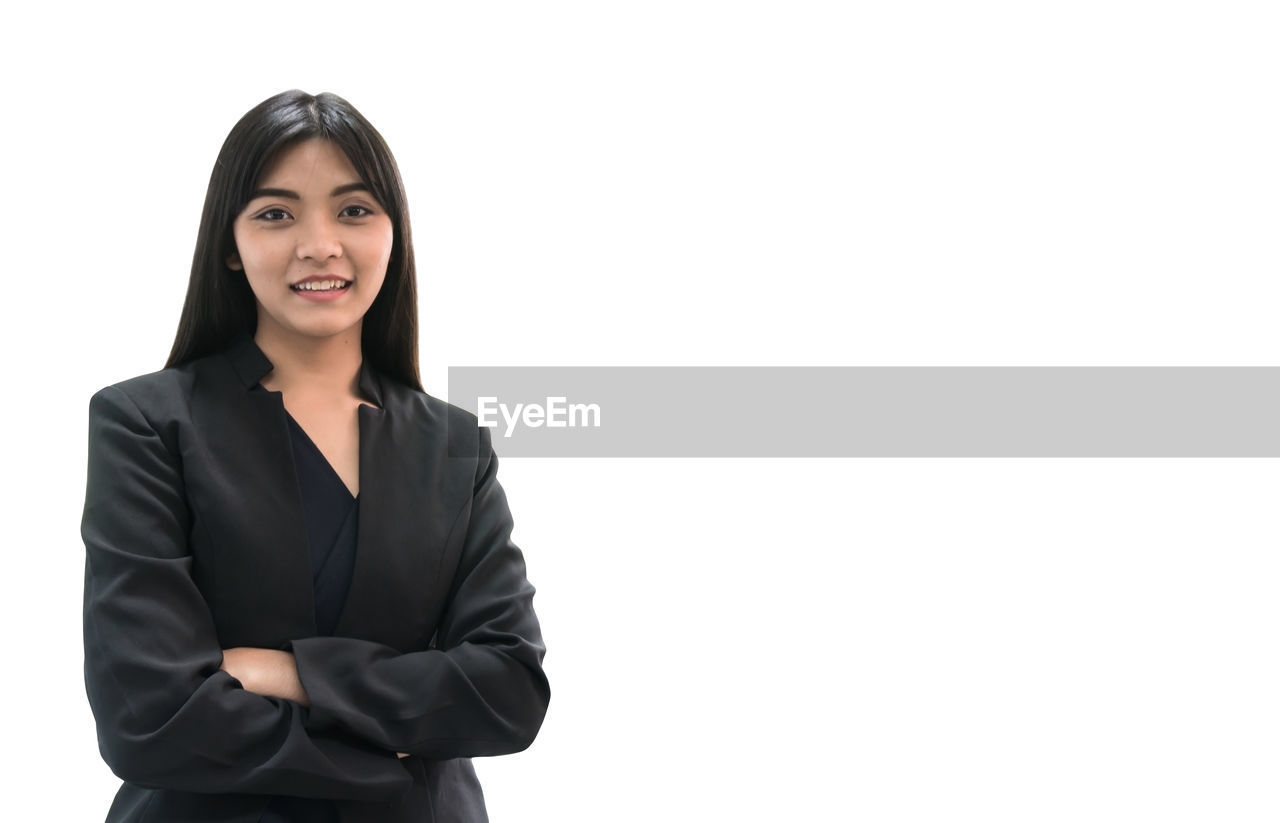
[[321, 285]]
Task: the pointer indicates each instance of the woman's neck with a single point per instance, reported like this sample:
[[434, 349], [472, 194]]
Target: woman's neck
[[315, 367]]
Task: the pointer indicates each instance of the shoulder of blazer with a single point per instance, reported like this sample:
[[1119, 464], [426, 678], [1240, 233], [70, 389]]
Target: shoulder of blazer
[[160, 397]]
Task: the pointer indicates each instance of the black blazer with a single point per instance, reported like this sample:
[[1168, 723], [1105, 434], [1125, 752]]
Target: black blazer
[[195, 541]]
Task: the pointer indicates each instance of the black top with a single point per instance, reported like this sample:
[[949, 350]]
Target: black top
[[332, 521], [331, 518]]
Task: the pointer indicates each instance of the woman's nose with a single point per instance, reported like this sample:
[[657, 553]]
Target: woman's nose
[[318, 240]]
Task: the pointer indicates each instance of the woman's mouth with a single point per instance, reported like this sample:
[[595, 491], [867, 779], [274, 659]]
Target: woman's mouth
[[321, 285], [321, 290]]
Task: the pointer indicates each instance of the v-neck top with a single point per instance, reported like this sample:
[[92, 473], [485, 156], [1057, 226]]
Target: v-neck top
[[331, 515], [332, 518]]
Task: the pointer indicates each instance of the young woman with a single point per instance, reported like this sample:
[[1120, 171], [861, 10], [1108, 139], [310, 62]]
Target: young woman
[[302, 601]]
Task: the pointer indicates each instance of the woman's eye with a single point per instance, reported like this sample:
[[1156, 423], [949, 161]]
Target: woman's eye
[[274, 215], [356, 211]]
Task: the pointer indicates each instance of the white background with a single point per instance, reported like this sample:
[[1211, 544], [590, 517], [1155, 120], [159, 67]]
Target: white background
[[746, 183]]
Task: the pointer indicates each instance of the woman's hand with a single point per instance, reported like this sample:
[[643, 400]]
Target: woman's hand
[[266, 672], [269, 673]]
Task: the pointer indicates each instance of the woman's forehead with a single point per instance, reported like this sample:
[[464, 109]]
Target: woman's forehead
[[311, 163]]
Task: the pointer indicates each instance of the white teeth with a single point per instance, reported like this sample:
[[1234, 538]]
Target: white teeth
[[320, 285]]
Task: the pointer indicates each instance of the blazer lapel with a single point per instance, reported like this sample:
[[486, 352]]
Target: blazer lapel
[[390, 583], [266, 581]]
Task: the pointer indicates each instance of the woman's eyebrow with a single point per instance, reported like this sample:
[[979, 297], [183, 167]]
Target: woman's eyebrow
[[293, 195], [349, 187]]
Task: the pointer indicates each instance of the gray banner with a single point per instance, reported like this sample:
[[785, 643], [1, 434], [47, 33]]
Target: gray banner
[[875, 411]]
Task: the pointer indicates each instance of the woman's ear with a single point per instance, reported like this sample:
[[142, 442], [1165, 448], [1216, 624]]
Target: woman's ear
[[233, 262]]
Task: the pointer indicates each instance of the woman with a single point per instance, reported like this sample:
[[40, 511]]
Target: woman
[[302, 601]]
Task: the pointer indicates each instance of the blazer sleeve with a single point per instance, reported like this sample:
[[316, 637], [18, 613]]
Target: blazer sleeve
[[167, 716], [481, 691]]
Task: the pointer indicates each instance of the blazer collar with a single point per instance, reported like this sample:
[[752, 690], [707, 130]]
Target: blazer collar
[[250, 364]]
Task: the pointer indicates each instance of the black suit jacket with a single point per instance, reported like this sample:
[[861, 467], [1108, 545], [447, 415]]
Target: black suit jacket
[[195, 541]]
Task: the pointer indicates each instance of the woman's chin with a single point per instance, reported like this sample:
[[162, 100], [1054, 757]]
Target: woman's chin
[[314, 330]]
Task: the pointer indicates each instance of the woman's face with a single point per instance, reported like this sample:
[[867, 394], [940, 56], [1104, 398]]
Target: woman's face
[[313, 244]]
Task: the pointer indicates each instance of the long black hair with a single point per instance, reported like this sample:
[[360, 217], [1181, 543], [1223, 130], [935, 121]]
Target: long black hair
[[220, 305]]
